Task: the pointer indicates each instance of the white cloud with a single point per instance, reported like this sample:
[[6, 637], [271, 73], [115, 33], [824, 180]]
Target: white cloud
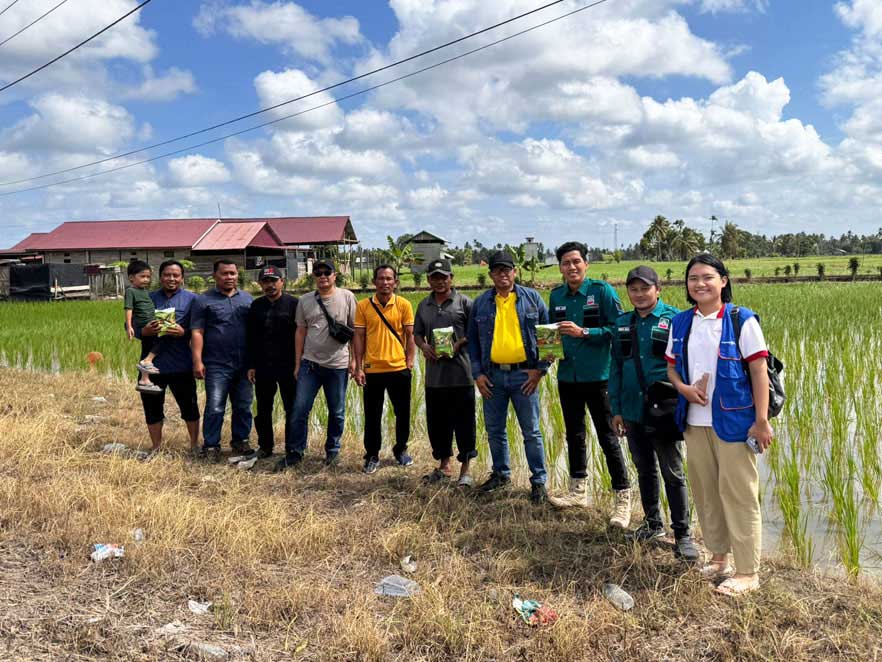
[[284, 23], [865, 15], [197, 170], [720, 6], [277, 87], [166, 87], [426, 197]]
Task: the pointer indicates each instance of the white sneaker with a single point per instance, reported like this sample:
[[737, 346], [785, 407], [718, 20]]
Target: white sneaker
[[621, 516], [576, 497]]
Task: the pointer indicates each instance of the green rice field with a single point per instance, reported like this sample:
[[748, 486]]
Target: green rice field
[[822, 476]]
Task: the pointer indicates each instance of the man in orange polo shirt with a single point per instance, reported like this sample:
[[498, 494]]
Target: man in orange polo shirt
[[384, 355]]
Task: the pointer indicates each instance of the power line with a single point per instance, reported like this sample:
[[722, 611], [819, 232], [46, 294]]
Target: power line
[[10, 6], [283, 103], [71, 50], [36, 20], [307, 110]]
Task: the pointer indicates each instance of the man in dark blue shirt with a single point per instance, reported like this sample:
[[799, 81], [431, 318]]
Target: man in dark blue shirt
[[174, 362], [218, 324]]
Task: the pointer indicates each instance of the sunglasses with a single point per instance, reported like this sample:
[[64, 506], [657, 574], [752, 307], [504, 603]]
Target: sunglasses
[[322, 272]]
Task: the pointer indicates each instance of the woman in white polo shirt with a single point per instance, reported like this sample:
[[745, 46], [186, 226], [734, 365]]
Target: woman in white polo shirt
[[720, 407]]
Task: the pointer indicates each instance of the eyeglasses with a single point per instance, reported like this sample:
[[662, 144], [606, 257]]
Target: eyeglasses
[[501, 270], [322, 272]]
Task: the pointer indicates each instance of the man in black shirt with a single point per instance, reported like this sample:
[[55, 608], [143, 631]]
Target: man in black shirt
[[271, 330]]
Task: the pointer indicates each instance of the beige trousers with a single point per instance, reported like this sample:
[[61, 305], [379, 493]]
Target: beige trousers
[[725, 485]]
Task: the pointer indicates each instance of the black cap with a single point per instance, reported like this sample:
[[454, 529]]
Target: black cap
[[501, 259], [273, 273], [644, 273], [323, 263], [439, 267]]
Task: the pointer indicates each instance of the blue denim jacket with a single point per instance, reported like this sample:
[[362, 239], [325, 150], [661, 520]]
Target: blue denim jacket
[[531, 311]]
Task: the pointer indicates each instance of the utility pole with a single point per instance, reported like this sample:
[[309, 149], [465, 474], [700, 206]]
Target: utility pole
[[615, 236]]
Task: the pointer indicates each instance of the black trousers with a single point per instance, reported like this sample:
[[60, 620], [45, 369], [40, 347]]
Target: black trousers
[[451, 410], [265, 386], [183, 388], [574, 397], [651, 452], [377, 384]]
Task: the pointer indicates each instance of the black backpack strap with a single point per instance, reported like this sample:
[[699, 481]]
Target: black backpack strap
[[686, 347], [331, 320], [385, 321]]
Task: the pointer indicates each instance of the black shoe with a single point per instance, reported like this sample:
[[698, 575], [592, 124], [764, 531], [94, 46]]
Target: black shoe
[[332, 460], [242, 448], [494, 482], [263, 453], [288, 462], [404, 460], [371, 465], [645, 533], [210, 454], [538, 494], [686, 549]]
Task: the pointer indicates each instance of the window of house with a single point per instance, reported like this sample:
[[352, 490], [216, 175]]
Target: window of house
[[168, 254], [67, 260]]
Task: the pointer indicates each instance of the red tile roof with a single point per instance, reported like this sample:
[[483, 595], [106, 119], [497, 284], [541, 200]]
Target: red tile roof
[[237, 236], [307, 229], [32, 242]]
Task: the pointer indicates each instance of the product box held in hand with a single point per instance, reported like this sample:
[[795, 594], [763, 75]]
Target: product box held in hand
[[549, 341], [444, 339]]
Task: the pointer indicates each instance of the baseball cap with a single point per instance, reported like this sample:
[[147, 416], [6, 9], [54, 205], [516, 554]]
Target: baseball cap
[[501, 259], [323, 263], [269, 272], [644, 273], [439, 267]]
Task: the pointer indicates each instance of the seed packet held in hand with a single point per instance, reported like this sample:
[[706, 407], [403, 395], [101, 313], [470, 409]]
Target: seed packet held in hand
[[549, 341], [166, 319], [444, 339]]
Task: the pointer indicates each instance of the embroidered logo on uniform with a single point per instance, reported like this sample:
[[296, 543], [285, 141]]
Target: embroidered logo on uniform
[[589, 300], [664, 323], [624, 329], [563, 308]]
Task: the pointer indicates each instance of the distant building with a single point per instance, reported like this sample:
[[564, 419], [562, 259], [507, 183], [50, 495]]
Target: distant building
[[290, 242], [427, 247]]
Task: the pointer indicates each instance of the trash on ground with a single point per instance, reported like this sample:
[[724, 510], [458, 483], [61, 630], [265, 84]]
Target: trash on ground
[[210, 479], [236, 459], [138, 535], [408, 564], [92, 418], [200, 608], [117, 448], [618, 597], [202, 651], [533, 612], [397, 586], [99, 398], [247, 464], [101, 551], [171, 629]]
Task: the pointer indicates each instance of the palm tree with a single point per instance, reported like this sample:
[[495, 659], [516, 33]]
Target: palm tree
[[682, 241], [657, 235], [398, 255]]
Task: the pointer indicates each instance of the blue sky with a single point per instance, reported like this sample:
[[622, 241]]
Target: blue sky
[[763, 112]]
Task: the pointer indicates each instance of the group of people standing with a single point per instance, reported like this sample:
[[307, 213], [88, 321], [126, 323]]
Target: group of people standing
[[614, 362]]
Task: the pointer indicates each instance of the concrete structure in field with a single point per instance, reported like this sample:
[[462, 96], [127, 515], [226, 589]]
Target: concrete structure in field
[[253, 242], [427, 247]]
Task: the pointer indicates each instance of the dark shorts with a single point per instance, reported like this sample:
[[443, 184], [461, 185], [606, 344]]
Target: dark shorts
[[183, 388]]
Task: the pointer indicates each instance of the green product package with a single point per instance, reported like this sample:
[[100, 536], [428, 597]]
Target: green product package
[[166, 319], [550, 344], [444, 339]]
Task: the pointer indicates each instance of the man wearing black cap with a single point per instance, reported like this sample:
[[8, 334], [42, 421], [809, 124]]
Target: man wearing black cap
[[450, 390], [506, 369], [323, 361], [585, 311], [637, 373], [271, 353]]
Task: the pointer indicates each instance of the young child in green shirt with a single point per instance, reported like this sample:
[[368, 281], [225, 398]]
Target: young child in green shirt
[[139, 313]]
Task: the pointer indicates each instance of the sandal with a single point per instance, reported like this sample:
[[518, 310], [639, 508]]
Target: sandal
[[714, 571], [148, 368], [435, 477], [733, 587]]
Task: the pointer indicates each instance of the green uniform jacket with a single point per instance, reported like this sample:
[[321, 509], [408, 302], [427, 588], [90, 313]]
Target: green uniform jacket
[[625, 394], [594, 305]]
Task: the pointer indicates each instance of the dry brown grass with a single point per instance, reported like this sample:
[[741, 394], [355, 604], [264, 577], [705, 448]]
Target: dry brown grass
[[290, 561]]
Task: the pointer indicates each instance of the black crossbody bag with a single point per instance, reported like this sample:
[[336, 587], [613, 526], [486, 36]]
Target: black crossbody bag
[[659, 398], [340, 332], [386, 322]]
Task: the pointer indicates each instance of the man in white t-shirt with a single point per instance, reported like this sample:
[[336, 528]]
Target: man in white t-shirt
[[321, 362]]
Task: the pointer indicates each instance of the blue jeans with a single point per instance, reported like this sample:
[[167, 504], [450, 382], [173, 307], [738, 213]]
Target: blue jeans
[[507, 388], [222, 382], [310, 379]]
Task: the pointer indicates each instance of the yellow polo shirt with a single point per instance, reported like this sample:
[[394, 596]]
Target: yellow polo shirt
[[383, 352], [508, 343]]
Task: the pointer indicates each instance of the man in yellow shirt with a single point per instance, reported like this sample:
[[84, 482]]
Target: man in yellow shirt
[[506, 367], [384, 354]]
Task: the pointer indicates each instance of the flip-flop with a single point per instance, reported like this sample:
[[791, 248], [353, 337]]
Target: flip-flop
[[734, 587], [714, 571], [148, 388]]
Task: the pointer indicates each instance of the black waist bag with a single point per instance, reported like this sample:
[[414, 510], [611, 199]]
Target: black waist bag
[[340, 332], [659, 398]]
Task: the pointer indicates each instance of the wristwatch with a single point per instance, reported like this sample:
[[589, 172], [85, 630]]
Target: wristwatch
[[586, 331]]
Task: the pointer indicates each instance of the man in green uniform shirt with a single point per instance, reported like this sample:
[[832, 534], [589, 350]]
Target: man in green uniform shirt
[[586, 311], [638, 362]]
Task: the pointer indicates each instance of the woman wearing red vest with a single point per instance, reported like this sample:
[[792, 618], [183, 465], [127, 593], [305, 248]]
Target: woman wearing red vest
[[720, 407]]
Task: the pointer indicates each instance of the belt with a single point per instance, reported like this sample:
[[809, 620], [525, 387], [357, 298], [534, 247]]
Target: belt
[[507, 367]]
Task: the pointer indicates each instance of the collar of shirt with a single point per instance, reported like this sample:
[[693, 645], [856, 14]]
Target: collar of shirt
[[505, 301], [235, 293], [384, 305], [448, 301], [656, 311], [717, 315]]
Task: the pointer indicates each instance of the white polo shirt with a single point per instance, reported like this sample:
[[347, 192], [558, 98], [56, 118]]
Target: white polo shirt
[[704, 348]]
